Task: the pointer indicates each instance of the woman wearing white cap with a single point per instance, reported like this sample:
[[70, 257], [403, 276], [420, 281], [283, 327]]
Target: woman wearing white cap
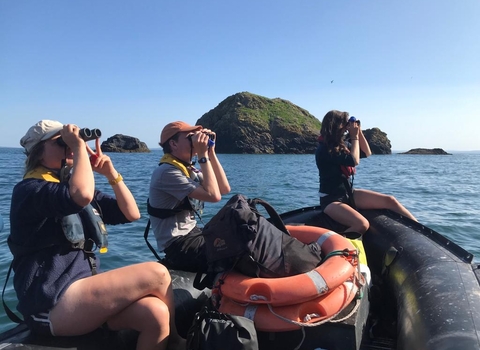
[[59, 290]]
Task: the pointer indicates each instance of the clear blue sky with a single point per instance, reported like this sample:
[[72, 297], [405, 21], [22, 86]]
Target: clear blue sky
[[409, 67]]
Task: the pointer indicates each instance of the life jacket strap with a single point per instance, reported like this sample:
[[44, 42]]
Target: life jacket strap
[[165, 213], [145, 235], [11, 315], [92, 262]]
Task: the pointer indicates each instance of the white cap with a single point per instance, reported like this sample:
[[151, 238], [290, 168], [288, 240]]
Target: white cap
[[43, 130]]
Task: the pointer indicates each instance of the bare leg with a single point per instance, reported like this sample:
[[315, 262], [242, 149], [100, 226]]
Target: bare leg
[[152, 321], [346, 215], [366, 199], [122, 298]]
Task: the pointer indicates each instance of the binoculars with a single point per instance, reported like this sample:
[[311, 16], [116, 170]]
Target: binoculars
[[211, 139], [354, 120], [86, 134]]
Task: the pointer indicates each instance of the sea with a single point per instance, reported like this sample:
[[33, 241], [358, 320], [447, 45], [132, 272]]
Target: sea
[[441, 191]]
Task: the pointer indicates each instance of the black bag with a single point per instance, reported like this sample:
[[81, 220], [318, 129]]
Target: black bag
[[239, 237], [213, 330]]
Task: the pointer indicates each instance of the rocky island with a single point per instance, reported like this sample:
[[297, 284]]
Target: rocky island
[[434, 151], [378, 141], [124, 144], [253, 124]]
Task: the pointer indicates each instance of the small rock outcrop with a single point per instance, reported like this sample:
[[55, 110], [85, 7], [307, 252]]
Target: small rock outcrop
[[378, 141], [253, 124], [124, 144], [435, 151]]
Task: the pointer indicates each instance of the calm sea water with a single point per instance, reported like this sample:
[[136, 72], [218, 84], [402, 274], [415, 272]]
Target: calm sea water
[[441, 191]]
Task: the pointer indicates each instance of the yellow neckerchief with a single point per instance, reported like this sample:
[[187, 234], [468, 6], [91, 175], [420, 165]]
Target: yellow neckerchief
[[42, 173], [168, 158]]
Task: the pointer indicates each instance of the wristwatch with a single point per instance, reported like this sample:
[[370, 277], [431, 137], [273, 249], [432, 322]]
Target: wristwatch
[[203, 160]]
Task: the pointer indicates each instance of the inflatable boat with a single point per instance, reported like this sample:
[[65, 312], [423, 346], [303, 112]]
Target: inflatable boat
[[423, 293]]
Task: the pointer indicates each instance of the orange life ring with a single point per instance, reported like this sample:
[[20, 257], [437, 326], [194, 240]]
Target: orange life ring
[[330, 275], [287, 318]]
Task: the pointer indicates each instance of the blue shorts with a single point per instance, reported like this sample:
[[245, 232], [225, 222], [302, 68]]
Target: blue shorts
[[40, 324]]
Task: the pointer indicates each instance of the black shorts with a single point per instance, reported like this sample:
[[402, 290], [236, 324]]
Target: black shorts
[[187, 253], [331, 198]]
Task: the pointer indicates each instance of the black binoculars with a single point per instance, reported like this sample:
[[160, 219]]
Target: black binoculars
[[85, 133]]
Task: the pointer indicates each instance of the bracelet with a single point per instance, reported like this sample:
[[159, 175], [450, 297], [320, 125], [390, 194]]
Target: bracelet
[[116, 181], [353, 139]]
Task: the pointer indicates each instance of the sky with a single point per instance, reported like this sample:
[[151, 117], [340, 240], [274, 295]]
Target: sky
[[408, 67]]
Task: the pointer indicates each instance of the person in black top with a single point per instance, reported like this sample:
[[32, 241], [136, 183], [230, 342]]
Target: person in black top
[[336, 160]]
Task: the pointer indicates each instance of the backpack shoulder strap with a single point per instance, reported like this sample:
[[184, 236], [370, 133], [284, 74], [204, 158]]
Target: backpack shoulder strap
[[201, 282], [274, 216]]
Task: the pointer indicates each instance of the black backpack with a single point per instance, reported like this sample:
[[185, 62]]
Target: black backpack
[[239, 237]]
